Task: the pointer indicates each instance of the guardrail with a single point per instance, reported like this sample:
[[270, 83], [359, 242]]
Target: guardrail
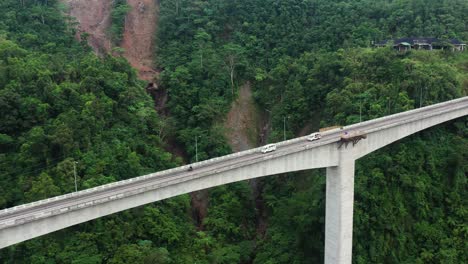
[[184, 168], [169, 181]]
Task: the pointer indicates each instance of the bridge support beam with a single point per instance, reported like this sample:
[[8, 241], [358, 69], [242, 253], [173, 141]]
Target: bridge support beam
[[339, 210]]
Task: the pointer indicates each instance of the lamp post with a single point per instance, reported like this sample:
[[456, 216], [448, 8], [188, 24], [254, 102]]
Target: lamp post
[[284, 127], [196, 148], [74, 173], [360, 111], [420, 98], [388, 105]]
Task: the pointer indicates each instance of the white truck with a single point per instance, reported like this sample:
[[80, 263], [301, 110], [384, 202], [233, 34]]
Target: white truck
[[268, 148]]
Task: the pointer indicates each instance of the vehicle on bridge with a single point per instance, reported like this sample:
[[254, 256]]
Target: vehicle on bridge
[[323, 129], [314, 136], [268, 148], [353, 136]]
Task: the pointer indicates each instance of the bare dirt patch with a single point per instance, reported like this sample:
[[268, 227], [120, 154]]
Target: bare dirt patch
[[93, 17], [138, 38], [242, 122]]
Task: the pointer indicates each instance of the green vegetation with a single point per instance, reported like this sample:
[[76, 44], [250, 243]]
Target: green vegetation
[[120, 9], [307, 60]]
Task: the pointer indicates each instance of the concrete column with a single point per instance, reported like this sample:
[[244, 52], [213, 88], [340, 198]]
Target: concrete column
[[339, 210]]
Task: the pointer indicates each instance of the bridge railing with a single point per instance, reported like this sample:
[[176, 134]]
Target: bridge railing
[[406, 113], [213, 160]]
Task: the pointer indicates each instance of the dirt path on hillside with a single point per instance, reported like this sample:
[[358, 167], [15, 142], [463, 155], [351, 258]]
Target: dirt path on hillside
[[93, 17], [138, 38]]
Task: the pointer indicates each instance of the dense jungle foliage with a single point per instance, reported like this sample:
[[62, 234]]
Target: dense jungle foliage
[[309, 61]]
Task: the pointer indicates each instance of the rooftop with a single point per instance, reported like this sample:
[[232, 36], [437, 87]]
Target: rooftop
[[420, 40]]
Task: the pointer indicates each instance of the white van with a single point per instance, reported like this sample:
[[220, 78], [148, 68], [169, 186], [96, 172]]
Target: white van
[[269, 148], [314, 136]]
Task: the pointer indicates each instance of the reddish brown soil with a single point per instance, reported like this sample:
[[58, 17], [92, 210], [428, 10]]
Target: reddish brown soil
[[93, 17], [138, 39]]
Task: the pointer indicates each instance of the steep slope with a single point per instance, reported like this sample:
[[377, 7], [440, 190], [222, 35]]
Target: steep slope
[[242, 128], [138, 38], [93, 17], [242, 122], [245, 129]]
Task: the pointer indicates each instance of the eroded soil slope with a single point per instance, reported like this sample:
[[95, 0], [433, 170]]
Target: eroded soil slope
[[138, 38], [246, 128], [242, 122], [93, 17]]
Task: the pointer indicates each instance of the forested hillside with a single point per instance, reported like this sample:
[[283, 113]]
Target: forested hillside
[[310, 62]]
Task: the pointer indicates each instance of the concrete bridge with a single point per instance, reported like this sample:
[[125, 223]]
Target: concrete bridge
[[27, 221]]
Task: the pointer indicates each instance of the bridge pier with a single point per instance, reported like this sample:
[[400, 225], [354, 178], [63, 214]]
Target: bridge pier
[[339, 210]]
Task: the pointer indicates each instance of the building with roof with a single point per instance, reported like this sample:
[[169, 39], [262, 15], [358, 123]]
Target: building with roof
[[423, 43]]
